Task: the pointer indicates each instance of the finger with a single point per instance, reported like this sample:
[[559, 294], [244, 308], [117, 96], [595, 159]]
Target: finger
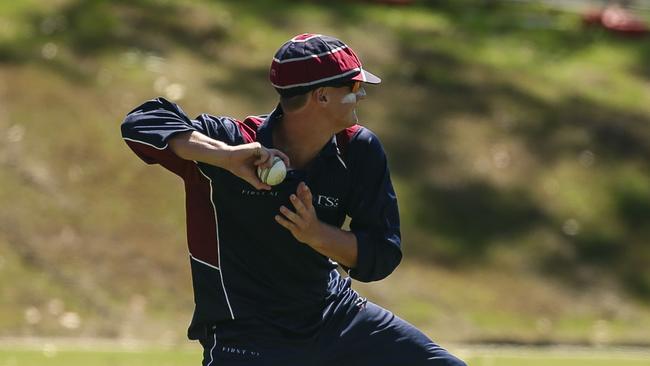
[[300, 190], [263, 162], [285, 223], [298, 204], [282, 156], [260, 154], [306, 196], [292, 216]]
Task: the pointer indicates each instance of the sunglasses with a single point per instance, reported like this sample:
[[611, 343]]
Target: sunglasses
[[354, 85]]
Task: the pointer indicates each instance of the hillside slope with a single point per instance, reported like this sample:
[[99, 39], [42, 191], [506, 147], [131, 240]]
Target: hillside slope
[[517, 138]]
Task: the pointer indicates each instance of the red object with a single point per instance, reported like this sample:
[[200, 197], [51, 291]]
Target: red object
[[616, 19]]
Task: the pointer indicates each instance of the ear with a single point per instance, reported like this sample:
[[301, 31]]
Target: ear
[[321, 95]]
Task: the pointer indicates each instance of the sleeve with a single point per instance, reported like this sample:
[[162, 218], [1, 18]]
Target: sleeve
[[373, 210], [148, 128]]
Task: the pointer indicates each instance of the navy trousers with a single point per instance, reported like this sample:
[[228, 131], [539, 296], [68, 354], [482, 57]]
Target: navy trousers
[[357, 332]]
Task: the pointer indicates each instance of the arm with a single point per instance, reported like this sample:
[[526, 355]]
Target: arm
[[241, 160], [193, 145], [160, 132], [371, 249], [373, 210]]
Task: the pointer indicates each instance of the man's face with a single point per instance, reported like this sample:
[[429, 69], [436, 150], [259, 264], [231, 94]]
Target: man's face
[[342, 103]]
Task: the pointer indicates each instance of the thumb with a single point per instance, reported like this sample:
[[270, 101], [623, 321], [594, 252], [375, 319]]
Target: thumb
[[260, 153]]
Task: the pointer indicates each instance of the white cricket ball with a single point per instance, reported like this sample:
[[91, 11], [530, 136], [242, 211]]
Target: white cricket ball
[[273, 175]]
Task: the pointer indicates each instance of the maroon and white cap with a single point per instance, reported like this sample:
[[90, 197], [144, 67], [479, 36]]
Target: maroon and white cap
[[309, 61]]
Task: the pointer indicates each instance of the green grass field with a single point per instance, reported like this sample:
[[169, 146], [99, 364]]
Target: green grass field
[[482, 356], [99, 358]]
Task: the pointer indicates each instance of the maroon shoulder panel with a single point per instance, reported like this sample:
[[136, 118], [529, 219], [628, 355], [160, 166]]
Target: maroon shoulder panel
[[202, 229], [343, 138], [202, 236], [249, 127]]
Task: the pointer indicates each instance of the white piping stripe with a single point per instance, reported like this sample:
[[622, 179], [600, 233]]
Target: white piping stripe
[[206, 263], [294, 39], [216, 222], [330, 52], [212, 349], [146, 143], [318, 81], [341, 160]]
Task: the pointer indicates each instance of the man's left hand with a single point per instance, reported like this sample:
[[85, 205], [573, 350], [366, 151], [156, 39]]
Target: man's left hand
[[303, 222]]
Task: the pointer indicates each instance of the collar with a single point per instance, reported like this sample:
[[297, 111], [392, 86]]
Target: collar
[[265, 133]]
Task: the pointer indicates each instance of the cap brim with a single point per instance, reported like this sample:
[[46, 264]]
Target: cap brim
[[367, 77]]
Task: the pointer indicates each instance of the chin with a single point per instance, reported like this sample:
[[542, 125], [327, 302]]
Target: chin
[[348, 120], [353, 118]]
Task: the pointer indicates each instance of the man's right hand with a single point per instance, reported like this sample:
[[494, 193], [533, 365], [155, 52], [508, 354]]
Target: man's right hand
[[243, 161]]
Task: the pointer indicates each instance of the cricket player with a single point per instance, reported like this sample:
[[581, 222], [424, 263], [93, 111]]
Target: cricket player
[[264, 258]]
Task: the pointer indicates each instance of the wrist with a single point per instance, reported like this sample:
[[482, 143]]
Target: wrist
[[319, 240]]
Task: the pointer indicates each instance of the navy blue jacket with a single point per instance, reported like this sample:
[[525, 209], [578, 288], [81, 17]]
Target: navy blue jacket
[[243, 263]]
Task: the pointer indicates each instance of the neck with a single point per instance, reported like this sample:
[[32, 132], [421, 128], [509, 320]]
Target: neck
[[301, 136]]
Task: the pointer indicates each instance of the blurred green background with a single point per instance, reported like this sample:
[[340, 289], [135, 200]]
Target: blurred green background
[[518, 140]]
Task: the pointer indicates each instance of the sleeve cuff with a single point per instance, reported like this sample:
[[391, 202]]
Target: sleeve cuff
[[365, 258]]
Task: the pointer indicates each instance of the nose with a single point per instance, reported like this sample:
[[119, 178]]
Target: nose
[[361, 94]]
